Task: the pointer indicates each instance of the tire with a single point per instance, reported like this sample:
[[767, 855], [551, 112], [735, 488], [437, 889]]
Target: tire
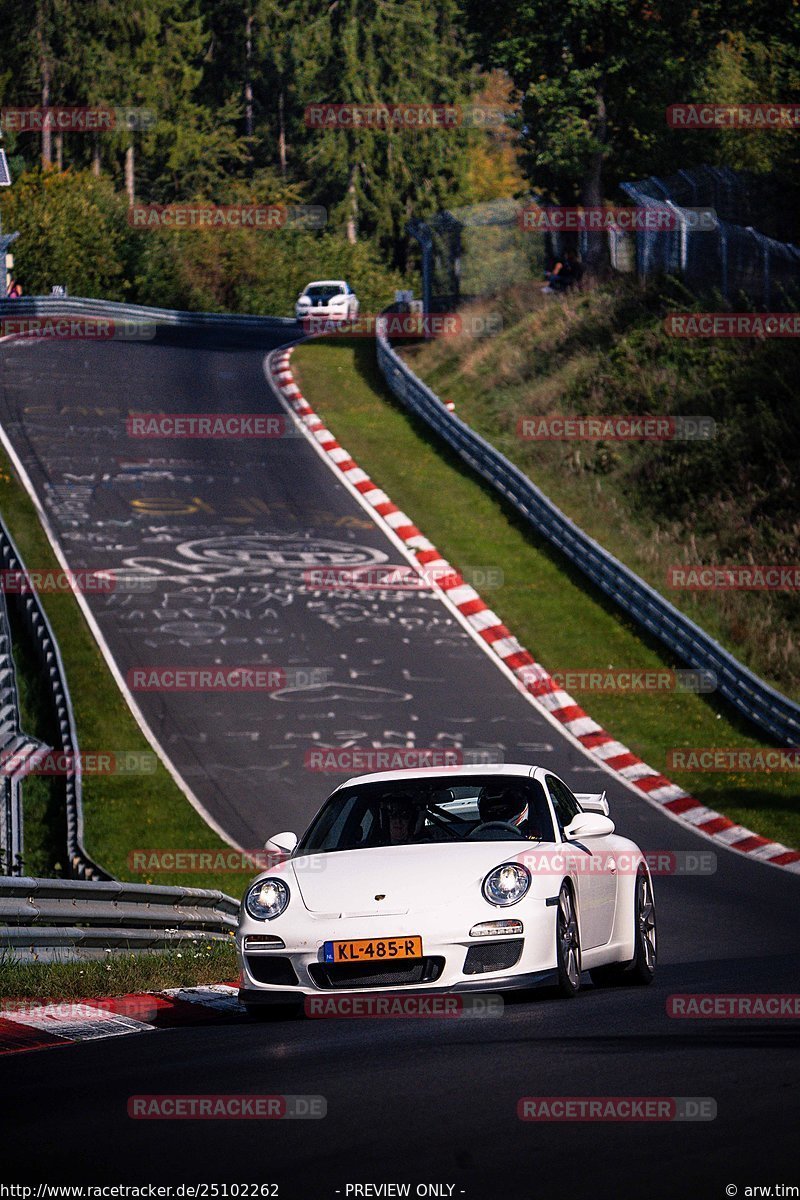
[[642, 967], [568, 944]]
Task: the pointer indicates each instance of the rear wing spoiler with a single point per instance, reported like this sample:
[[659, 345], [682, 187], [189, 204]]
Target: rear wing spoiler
[[593, 802]]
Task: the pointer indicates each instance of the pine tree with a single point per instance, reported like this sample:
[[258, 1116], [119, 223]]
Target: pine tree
[[396, 52]]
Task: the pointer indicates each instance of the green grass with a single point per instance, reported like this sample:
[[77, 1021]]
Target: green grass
[[117, 974], [554, 613], [121, 813]]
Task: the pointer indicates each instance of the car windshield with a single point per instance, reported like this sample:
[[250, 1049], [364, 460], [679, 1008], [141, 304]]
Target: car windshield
[[413, 812], [321, 295]]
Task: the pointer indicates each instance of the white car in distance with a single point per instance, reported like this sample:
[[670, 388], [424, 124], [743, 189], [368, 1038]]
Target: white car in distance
[[327, 299]]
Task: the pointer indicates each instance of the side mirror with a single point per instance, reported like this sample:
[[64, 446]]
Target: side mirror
[[589, 825], [283, 843]]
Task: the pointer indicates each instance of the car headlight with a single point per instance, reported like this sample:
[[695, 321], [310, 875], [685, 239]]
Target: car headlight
[[267, 899], [506, 884]]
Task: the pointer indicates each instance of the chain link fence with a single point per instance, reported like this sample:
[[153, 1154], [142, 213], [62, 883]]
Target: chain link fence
[[735, 258], [477, 251]]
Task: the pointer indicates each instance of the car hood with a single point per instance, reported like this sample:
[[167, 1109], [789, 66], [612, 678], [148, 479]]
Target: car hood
[[347, 882]]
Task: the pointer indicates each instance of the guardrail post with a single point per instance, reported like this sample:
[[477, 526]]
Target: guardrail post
[[6, 840]]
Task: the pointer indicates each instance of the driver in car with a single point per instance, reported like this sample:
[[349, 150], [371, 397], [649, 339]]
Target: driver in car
[[406, 819], [511, 806]]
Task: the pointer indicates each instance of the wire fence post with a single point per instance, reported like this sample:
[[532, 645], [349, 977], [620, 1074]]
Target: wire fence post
[[421, 233]]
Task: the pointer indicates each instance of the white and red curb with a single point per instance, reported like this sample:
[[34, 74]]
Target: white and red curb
[[31, 1025], [533, 678]]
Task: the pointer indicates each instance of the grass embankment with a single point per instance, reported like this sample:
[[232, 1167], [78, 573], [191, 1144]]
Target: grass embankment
[[122, 813], [734, 499], [563, 622], [119, 974]]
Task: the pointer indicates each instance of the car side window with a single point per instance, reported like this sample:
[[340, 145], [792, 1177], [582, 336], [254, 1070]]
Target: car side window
[[565, 805]]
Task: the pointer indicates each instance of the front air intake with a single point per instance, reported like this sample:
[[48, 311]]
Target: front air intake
[[368, 975], [272, 968], [493, 956]]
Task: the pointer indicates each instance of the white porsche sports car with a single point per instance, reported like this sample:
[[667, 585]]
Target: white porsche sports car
[[328, 299], [448, 880]]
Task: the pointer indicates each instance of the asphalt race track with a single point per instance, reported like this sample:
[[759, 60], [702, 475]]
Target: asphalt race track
[[209, 542], [222, 531]]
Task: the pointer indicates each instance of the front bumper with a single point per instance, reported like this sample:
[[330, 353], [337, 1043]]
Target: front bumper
[[320, 314], [299, 969], [505, 983]]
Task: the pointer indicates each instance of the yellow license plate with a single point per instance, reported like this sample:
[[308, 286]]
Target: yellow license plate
[[373, 950]]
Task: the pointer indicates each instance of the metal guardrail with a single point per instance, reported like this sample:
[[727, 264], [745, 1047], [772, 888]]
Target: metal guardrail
[[43, 918], [10, 807], [18, 752], [146, 317], [771, 712], [46, 649]]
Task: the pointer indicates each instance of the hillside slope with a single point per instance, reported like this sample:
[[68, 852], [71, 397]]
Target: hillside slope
[[733, 499]]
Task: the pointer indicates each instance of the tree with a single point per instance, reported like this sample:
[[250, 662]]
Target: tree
[[596, 77], [494, 171], [395, 52], [73, 231], [745, 70]]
